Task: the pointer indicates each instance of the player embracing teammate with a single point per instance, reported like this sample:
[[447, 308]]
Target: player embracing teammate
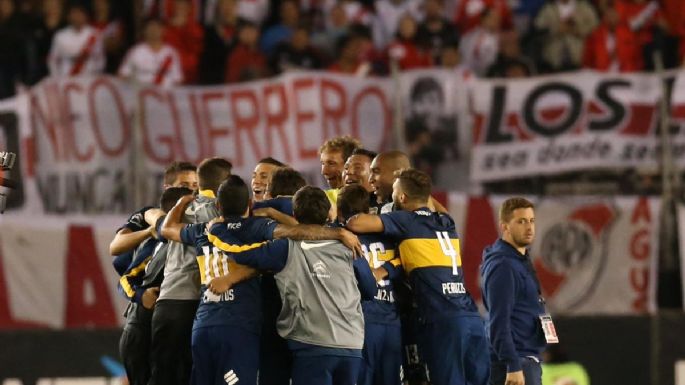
[[283, 283]]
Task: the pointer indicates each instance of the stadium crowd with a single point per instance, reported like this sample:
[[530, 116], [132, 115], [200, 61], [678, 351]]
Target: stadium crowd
[[224, 41]]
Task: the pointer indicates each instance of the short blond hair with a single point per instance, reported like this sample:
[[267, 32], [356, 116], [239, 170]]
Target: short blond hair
[[344, 144]]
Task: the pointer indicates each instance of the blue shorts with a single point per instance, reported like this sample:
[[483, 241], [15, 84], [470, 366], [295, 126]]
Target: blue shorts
[[224, 355], [325, 370], [382, 355], [455, 350]]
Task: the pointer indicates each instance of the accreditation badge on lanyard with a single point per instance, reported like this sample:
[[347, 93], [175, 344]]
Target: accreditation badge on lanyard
[[549, 329], [545, 319]]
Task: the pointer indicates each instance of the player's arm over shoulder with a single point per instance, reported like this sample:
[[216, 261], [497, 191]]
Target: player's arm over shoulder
[[365, 223]]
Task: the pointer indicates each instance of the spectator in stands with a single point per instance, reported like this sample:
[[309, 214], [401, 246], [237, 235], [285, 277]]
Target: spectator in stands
[[388, 15], [612, 46], [111, 32], [525, 12], [349, 48], [220, 38], [674, 12], [436, 31], [164, 9], [450, 57], [566, 24], [336, 27], [296, 53], [357, 12], [289, 19], [186, 35], [245, 61], [469, 14], [152, 61], [77, 49], [404, 48], [50, 19], [511, 62], [480, 46], [12, 56], [645, 20]]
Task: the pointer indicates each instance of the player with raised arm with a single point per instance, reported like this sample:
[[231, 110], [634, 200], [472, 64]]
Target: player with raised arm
[[225, 342], [179, 295], [320, 286]]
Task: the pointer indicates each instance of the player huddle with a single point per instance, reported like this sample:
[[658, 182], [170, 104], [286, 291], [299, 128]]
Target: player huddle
[[283, 283]]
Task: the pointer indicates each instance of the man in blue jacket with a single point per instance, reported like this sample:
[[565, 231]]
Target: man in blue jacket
[[512, 297]]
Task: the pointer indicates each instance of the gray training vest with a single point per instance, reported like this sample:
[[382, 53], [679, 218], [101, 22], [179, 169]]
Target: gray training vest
[[321, 302], [181, 273]]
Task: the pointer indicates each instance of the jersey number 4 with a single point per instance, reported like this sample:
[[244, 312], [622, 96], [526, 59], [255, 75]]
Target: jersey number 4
[[448, 249]]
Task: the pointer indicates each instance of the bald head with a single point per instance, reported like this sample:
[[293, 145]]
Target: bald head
[[383, 169]]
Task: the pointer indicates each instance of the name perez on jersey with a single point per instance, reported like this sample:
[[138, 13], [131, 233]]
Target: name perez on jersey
[[453, 288]]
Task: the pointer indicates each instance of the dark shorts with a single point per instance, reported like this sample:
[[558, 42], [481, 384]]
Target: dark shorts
[[455, 350], [382, 355]]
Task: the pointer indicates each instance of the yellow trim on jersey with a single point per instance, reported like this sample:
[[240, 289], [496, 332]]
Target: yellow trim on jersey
[[332, 195], [123, 281], [229, 248], [418, 253], [382, 257], [207, 193], [397, 261]]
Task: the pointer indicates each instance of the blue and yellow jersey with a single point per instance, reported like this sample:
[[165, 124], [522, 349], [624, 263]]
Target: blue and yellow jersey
[[283, 204], [131, 281], [332, 195], [379, 251], [241, 305], [431, 257]]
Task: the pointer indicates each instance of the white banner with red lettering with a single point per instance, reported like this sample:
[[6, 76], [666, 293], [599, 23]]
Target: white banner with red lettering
[[593, 256], [89, 134], [569, 122]]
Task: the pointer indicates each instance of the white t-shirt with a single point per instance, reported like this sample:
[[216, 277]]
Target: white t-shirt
[[253, 10], [479, 50], [147, 66], [388, 15], [76, 52]]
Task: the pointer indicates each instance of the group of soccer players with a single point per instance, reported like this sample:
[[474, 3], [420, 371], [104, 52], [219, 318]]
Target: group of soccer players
[[280, 283]]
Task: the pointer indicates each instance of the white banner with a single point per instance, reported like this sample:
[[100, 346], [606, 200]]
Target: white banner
[[85, 130], [567, 122], [58, 274]]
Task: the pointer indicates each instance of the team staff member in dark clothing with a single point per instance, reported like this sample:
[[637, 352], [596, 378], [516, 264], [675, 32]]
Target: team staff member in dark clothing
[[511, 294]]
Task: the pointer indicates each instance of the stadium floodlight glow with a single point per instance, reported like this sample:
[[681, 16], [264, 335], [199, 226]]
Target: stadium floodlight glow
[[6, 162]]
